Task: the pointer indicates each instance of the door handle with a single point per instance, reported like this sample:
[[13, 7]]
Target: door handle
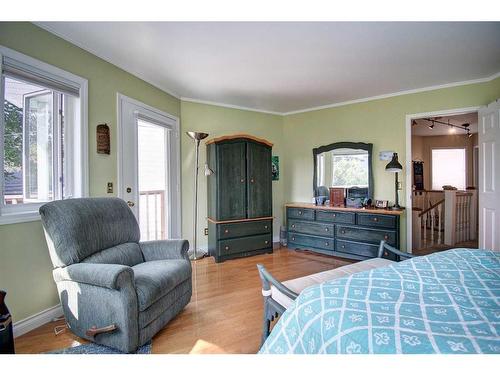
[[130, 203]]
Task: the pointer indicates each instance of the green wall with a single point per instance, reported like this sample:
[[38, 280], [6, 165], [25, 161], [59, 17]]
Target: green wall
[[25, 268], [381, 122], [219, 121]]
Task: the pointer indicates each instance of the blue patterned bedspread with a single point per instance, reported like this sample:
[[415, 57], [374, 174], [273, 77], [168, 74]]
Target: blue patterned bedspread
[[446, 302]]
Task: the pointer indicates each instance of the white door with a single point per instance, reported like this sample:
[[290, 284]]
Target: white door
[[489, 176], [148, 168]]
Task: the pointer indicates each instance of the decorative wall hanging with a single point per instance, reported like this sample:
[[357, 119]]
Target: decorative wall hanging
[[276, 167], [103, 141]]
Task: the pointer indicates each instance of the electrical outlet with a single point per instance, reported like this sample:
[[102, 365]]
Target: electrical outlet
[[400, 185], [110, 187], [206, 231]]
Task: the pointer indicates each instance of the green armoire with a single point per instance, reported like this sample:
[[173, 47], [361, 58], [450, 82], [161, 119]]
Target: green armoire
[[240, 205]]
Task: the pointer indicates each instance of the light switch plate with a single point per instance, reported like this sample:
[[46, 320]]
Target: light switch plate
[[110, 187]]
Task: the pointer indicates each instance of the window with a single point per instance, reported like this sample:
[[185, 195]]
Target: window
[[321, 170], [448, 168], [42, 136], [349, 168]]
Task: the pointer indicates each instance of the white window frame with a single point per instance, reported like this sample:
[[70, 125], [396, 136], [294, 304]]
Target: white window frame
[[448, 148], [10, 214]]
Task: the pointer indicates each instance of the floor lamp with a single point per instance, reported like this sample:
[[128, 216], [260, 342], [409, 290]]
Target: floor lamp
[[196, 137]]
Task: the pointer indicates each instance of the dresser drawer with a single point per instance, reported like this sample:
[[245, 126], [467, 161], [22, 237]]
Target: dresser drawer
[[366, 235], [374, 220], [356, 248], [241, 245], [310, 241], [249, 228], [301, 213], [336, 217], [311, 227]]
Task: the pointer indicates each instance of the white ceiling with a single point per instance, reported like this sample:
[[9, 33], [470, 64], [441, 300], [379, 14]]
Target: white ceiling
[[422, 127], [290, 66]]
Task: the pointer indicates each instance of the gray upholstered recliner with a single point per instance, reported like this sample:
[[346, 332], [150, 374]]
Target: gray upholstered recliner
[[114, 290]]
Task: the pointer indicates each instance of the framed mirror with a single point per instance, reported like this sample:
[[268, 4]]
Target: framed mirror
[[343, 165]]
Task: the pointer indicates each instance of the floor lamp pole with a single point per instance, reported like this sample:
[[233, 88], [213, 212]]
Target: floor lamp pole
[[197, 137], [195, 210]]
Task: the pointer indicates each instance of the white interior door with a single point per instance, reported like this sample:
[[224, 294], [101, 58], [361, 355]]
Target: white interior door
[[489, 176], [149, 170]]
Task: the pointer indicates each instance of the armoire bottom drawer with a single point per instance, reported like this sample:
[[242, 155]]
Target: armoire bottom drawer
[[241, 245], [356, 248], [248, 228], [312, 241]]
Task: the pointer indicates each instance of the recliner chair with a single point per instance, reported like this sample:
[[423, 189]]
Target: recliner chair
[[114, 290]]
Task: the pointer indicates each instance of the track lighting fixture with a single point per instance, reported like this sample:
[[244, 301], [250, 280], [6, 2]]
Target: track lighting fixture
[[452, 127]]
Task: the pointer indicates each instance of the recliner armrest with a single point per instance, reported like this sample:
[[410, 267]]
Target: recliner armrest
[[111, 276], [164, 249]]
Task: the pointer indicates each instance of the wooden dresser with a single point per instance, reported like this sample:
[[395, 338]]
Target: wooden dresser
[[353, 233], [240, 221]]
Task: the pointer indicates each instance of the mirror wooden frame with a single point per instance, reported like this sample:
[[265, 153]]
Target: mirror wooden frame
[[333, 146]]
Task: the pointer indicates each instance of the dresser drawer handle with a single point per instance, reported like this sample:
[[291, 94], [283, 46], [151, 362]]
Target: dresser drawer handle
[[242, 180], [334, 215], [300, 212], [293, 238], [326, 229], [386, 237], [342, 231], [265, 226], [327, 244], [266, 242], [226, 248], [293, 225], [226, 230], [343, 246], [375, 219]]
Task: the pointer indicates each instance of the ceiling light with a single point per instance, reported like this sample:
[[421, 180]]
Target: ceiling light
[[452, 130]]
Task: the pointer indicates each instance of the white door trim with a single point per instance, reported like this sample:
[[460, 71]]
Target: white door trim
[[409, 118], [156, 115]]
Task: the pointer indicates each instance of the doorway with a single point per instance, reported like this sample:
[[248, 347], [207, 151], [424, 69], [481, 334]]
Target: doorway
[[149, 168], [440, 184]]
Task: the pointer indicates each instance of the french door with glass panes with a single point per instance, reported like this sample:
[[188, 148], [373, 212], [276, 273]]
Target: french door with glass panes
[[148, 168]]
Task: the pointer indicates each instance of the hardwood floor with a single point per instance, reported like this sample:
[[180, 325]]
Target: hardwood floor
[[225, 312]]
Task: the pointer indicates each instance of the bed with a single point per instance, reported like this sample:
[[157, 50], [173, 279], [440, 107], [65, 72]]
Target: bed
[[446, 302]]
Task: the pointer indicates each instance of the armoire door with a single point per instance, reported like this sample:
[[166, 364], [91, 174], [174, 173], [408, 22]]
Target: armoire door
[[259, 191], [231, 192]]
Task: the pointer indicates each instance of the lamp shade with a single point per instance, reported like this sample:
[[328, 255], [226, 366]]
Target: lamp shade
[[394, 165], [197, 136]]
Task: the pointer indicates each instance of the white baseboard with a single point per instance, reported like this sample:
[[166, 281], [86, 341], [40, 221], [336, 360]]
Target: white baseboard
[[34, 321]]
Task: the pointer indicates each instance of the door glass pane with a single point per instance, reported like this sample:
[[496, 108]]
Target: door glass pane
[[152, 164], [28, 145]]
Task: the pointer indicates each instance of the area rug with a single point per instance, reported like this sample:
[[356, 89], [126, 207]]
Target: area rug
[[99, 349]]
